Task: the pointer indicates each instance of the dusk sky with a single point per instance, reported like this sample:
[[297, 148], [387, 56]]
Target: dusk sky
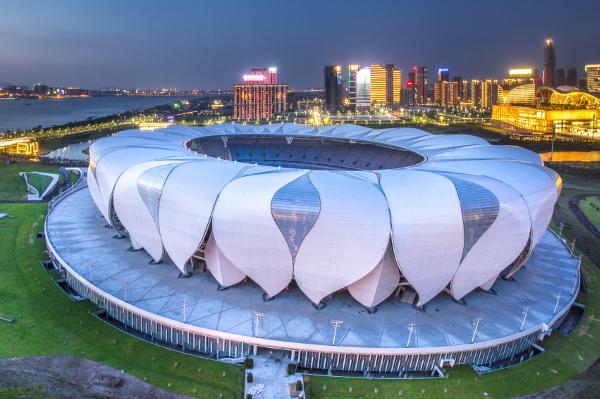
[[209, 44]]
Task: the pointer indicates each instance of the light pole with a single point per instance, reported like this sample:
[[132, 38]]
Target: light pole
[[557, 301], [257, 317], [91, 270], [411, 328], [525, 311], [560, 229], [125, 287], [336, 324], [476, 326], [184, 303]]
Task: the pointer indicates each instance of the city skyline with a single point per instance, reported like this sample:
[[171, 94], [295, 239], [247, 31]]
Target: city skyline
[[210, 45]]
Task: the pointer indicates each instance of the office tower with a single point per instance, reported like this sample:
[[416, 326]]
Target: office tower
[[443, 74], [421, 84], [351, 85], [489, 93], [464, 92], [410, 89], [560, 78], [363, 89], [571, 77], [386, 86], [592, 77], [549, 64], [519, 76], [259, 96], [453, 94], [476, 93], [437, 92], [334, 87]]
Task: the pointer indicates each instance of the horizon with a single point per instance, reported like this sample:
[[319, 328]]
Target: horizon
[[210, 45]]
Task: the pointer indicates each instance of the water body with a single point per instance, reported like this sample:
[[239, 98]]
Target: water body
[[26, 114]]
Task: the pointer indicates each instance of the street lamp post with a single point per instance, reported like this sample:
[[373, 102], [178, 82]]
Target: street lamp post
[[411, 328], [557, 301], [525, 311], [336, 324], [476, 326]]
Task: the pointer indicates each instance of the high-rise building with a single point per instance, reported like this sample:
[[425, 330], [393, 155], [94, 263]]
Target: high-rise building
[[410, 89], [259, 96], [572, 77], [363, 89], [592, 77], [476, 93], [443, 74], [351, 85], [490, 90], [421, 84], [560, 78], [520, 76], [549, 64], [465, 93], [334, 87], [453, 94], [386, 86]]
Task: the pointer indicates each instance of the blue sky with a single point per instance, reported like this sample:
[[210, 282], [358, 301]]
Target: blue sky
[[209, 44]]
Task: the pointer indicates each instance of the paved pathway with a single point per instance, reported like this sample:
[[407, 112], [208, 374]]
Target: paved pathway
[[270, 379]]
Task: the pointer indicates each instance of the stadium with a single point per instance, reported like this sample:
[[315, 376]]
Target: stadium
[[344, 248]]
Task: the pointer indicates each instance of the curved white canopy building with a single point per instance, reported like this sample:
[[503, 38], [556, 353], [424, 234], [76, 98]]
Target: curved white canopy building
[[332, 208]]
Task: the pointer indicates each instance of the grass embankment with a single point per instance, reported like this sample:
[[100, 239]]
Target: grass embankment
[[39, 182], [590, 206], [12, 185], [47, 322]]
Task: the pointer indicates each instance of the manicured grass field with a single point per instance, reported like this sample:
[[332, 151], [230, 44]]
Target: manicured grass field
[[590, 206], [12, 185], [39, 182], [47, 322]]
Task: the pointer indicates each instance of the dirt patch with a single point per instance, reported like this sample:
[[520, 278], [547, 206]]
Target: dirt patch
[[69, 377]]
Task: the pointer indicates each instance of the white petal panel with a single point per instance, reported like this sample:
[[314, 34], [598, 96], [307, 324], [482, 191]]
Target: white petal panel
[[187, 203], [379, 284], [133, 213], [427, 228], [348, 239], [488, 152], [219, 266], [500, 244], [246, 233]]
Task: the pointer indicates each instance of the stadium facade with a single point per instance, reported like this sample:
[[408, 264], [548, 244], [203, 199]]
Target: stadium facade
[[381, 216]]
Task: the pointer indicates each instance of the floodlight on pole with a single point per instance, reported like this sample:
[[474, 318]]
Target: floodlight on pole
[[336, 324], [257, 317], [476, 326], [411, 328], [125, 287], [525, 312], [557, 301]]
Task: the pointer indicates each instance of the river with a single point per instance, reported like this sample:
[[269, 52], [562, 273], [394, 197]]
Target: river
[[25, 114]]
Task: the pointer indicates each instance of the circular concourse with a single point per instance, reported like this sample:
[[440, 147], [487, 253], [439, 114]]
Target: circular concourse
[[352, 249]]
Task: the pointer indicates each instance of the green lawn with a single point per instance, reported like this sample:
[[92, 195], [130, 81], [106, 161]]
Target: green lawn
[[12, 185], [73, 176], [47, 322], [590, 206], [39, 182], [564, 359]]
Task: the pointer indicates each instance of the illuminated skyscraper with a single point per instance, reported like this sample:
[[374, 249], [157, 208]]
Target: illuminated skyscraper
[[259, 96], [549, 64], [351, 85], [443, 74], [410, 89], [476, 93], [386, 86], [489, 93], [421, 84], [334, 87], [363, 89], [592, 76]]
